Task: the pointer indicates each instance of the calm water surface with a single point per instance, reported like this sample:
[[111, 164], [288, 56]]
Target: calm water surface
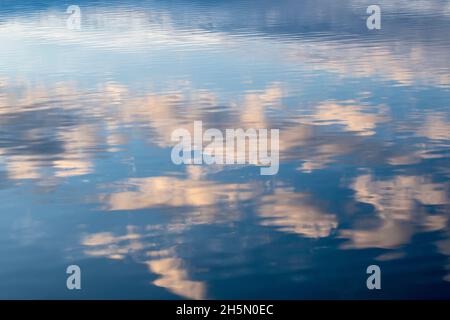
[[85, 171]]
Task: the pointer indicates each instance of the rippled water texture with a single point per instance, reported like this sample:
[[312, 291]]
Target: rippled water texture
[[86, 177]]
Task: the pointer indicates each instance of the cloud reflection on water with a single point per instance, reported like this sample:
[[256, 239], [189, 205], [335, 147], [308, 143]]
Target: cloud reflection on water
[[368, 113]]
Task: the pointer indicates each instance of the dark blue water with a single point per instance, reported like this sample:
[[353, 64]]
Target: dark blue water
[[86, 176]]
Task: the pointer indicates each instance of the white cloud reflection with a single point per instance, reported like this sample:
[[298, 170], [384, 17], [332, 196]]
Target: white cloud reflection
[[398, 204]]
